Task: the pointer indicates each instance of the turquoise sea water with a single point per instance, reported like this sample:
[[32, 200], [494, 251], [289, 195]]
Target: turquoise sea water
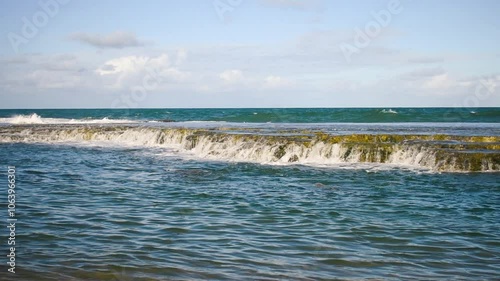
[[278, 115], [112, 195]]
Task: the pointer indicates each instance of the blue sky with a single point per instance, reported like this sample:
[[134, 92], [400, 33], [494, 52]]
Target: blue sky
[[243, 53]]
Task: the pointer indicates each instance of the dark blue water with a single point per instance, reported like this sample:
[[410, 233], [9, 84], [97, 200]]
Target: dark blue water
[[103, 213]]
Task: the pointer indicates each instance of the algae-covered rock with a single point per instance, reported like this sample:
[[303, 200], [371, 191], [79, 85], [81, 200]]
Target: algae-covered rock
[[293, 158], [280, 152]]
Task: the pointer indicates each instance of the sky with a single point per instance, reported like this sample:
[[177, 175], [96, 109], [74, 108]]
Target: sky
[[249, 53]]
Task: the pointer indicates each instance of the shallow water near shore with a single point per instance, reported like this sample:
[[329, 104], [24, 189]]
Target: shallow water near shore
[[97, 213]]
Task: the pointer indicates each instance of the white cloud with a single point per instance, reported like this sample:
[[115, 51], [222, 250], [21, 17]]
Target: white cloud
[[127, 71], [424, 73], [439, 82], [130, 64], [312, 68], [36, 72], [231, 76], [116, 40], [181, 56], [47, 79], [443, 82], [272, 81]]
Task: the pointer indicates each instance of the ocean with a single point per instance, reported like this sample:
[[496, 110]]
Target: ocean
[[252, 194]]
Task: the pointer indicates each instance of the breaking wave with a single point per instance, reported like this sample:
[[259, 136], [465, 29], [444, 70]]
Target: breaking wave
[[436, 152], [389, 111], [37, 119]]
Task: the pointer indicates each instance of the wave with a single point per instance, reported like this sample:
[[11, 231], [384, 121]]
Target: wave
[[37, 119], [436, 153], [389, 111]]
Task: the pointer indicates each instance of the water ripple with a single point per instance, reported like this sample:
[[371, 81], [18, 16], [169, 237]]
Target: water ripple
[[120, 215]]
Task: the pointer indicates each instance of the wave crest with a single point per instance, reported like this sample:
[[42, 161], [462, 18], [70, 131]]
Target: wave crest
[[37, 119], [390, 111]]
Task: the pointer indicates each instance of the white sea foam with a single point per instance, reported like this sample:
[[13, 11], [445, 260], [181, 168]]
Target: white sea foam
[[389, 111], [242, 148], [37, 119]]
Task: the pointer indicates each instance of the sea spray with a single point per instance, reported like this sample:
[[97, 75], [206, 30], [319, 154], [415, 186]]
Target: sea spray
[[434, 152]]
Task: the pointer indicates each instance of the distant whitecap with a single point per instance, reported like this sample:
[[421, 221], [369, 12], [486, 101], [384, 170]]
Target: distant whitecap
[[389, 111], [37, 119]]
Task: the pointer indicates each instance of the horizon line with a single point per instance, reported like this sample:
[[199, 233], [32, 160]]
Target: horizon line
[[311, 107]]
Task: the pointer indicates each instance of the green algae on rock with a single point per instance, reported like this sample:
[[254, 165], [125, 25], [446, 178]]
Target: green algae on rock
[[439, 152]]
